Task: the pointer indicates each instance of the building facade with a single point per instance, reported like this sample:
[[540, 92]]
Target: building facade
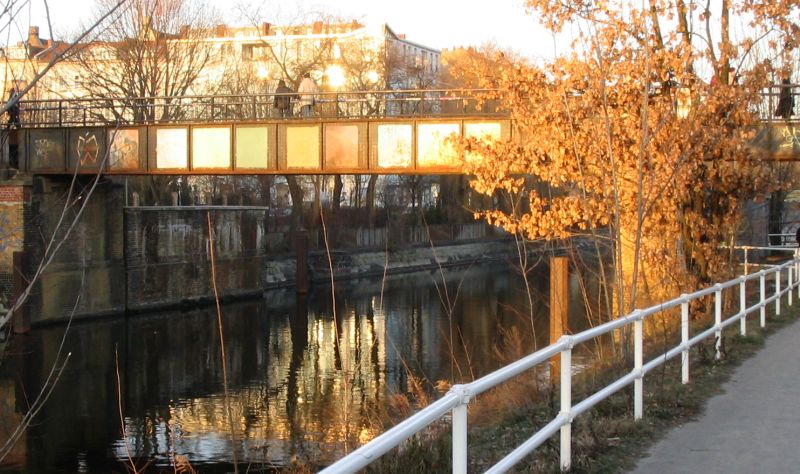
[[232, 60]]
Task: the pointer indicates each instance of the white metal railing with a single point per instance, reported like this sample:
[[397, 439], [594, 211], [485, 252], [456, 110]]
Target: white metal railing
[[459, 396], [784, 240], [746, 253]]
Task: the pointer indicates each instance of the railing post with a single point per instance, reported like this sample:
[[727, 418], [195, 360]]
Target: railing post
[[566, 404], [742, 307], [685, 341], [778, 292], [790, 270], [746, 266], [797, 269], [460, 433], [718, 322], [638, 353], [762, 277]]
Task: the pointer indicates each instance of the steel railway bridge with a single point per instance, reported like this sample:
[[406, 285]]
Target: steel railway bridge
[[375, 132]]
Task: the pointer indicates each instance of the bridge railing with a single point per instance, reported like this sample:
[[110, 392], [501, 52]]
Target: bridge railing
[[771, 110], [244, 108], [346, 105], [454, 403]]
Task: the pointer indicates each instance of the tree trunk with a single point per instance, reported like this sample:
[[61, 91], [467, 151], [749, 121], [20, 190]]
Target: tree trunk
[[355, 200], [317, 204], [265, 181], [296, 191], [336, 200], [452, 192], [775, 220], [371, 200]]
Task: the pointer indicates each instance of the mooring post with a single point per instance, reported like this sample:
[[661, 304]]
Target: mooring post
[[21, 321], [301, 258], [559, 304]]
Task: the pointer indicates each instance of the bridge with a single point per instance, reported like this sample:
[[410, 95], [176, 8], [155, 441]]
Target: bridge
[[381, 132], [373, 132]]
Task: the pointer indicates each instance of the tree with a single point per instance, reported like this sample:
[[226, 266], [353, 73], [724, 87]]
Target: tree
[[145, 57], [153, 48], [602, 137], [473, 66], [26, 78]]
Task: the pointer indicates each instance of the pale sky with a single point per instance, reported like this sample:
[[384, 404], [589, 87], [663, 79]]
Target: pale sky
[[436, 23]]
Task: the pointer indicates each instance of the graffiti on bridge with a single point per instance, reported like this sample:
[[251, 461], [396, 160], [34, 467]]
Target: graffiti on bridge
[[790, 138]]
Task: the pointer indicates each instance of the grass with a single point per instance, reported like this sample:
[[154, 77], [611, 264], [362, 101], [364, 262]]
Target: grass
[[605, 439]]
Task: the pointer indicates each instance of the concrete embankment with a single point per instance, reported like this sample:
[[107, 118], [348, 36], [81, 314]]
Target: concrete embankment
[[364, 263]]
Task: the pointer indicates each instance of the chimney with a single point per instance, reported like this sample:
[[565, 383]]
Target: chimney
[[265, 28], [33, 38], [184, 31], [221, 31]]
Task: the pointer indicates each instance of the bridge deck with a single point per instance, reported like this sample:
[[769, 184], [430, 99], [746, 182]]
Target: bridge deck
[[400, 132], [373, 132]]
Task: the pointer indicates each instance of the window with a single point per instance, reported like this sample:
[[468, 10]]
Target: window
[[247, 51]]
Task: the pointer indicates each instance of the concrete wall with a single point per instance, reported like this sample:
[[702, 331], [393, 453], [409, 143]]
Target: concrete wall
[[86, 275], [116, 259], [168, 259]]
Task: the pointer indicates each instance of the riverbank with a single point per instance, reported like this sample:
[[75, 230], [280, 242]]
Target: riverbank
[[349, 264]]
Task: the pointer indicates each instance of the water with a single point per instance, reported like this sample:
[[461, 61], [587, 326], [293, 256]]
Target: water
[[296, 395]]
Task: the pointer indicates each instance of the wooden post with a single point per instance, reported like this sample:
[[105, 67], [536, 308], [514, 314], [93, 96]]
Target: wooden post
[[559, 305], [301, 257], [21, 319]]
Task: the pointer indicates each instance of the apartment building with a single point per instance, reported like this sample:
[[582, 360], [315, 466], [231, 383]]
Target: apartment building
[[236, 59]]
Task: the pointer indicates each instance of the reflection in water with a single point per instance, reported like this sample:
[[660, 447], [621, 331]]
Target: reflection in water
[[304, 385]]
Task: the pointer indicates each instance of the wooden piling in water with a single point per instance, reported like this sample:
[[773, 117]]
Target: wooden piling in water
[[559, 306]]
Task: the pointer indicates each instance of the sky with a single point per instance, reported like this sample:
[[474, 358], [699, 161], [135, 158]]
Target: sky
[[436, 23]]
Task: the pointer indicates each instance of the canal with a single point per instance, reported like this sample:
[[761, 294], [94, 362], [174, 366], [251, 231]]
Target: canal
[[306, 383]]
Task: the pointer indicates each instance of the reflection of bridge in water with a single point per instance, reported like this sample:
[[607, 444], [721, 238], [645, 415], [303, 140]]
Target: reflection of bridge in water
[[383, 132]]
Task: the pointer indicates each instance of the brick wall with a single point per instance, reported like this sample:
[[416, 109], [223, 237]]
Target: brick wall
[[14, 200]]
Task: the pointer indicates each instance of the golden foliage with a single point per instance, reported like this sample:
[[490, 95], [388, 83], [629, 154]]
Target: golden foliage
[[597, 141]]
